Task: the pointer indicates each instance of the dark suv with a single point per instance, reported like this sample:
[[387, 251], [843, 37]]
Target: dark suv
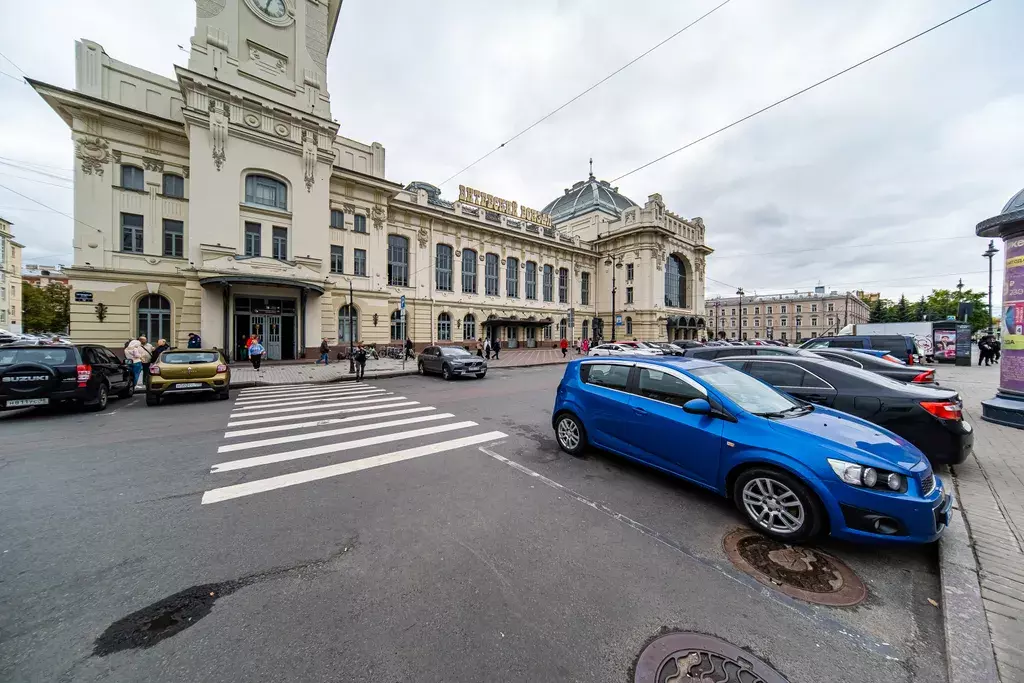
[[901, 346], [44, 375]]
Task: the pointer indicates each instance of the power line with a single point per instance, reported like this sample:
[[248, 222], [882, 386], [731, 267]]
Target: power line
[[595, 85], [857, 282], [4, 73], [801, 92], [33, 163], [13, 64], [35, 180], [841, 246], [46, 206], [34, 170]]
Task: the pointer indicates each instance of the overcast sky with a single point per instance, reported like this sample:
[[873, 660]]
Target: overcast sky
[[905, 154]]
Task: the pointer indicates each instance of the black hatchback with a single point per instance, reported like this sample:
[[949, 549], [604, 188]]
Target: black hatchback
[[86, 374], [915, 374], [928, 417]]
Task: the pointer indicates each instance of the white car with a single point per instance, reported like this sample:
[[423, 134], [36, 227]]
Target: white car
[[611, 350], [642, 348]]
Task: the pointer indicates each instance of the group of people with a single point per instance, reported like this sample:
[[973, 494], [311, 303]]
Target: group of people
[[140, 354], [359, 356], [989, 349], [485, 348], [580, 346]]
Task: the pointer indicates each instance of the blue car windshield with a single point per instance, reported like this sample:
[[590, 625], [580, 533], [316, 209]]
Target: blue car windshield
[[748, 393]]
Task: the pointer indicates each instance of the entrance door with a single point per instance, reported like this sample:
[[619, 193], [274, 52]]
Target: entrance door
[[272, 342], [531, 337]]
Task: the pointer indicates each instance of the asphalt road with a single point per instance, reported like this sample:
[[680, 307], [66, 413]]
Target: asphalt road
[[500, 560]]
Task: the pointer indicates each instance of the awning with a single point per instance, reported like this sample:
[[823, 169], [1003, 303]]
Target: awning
[[260, 280], [518, 321]]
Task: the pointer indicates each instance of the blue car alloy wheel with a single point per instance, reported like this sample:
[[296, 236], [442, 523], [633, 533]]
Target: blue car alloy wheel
[[794, 470]]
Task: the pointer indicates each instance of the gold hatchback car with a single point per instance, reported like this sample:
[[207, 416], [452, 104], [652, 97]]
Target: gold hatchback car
[[188, 371]]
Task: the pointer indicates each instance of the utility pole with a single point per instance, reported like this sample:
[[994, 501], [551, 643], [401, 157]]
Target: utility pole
[[989, 253], [740, 293], [614, 262], [351, 332]]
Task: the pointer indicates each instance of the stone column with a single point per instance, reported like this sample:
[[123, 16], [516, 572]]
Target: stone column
[[1007, 407]]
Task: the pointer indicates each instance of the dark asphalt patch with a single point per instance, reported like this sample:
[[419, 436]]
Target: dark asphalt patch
[[175, 613], [798, 571], [681, 656]]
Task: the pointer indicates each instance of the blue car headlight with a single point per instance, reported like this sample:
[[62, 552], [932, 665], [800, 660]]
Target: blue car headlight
[[868, 477]]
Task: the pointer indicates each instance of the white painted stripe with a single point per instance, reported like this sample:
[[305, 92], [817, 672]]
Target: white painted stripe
[[297, 397], [321, 413], [267, 404], [294, 387], [309, 436], [336, 447], [272, 387], [324, 389], [271, 411], [324, 423], [306, 476]]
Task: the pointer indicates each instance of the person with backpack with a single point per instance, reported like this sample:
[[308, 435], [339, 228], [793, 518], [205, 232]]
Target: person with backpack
[[256, 352]]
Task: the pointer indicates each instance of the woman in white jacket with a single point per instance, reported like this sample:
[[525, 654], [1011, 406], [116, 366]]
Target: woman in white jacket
[[133, 354]]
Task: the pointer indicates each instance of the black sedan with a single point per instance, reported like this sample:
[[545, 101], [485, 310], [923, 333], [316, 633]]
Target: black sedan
[[451, 362], [897, 371], [928, 417]]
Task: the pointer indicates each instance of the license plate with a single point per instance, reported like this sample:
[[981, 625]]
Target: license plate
[[188, 385], [28, 402]]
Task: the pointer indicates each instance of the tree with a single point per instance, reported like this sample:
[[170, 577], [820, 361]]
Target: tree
[[46, 309], [902, 311], [942, 303], [920, 310], [878, 312]]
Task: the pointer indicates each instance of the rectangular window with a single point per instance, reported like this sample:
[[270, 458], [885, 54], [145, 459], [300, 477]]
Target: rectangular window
[[799, 308], [629, 272], [814, 308], [337, 219], [549, 275], [359, 223], [783, 322], [783, 310], [133, 178], [359, 262], [337, 259], [252, 239], [174, 186], [398, 261], [443, 268], [131, 233], [814, 322], [491, 275], [629, 295], [769, 310], [563, 285], [280, 244], [174, 238], [798, 321], [512, 277], [831, 307], [757, 322], [531, 280], [757, 310], [469, 271], [585, 287]]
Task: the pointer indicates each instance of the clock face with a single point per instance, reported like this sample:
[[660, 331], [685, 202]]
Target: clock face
[[275, 9]]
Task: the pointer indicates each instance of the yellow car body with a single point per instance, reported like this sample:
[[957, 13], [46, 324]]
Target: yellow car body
[[188, 371]]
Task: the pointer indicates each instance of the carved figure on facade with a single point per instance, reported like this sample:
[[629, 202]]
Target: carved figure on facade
[[379, 215], [700, 266], [94, 153], [116, 155], [153, 164], [423, 236], [309, 159], [218, 133], [185, 171]]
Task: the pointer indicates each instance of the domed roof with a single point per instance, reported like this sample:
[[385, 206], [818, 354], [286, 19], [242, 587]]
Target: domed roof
[[1016, 203], [1011, 215], [585, 196]]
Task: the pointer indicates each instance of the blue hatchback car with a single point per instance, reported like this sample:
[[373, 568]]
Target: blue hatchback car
[[795, 470]]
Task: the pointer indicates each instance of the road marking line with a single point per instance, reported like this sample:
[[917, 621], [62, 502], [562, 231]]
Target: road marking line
[[302, 397], [267, 404], [308, 436], [336, 447], [306, 476], [339, 411], [323, 423], [326, 389], [271, 411], [284, 388], [271, 387]]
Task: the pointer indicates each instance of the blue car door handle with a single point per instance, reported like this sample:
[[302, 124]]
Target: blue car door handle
[[639, 411]]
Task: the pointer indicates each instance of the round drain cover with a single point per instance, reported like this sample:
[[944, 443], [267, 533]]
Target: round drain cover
[[684, 657], [799, 572]]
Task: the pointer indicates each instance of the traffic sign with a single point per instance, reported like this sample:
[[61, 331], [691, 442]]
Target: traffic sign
[[618, 321], [401, 302]]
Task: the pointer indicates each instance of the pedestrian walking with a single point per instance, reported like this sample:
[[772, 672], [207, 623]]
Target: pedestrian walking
[[408, 349], [255, 352], [133, 355], [487, 349], [997, 350], [479, 348], [194, 341], [564, 344], [495, 347], [325, 352], [984, 351], [360, 358], [585, 345]]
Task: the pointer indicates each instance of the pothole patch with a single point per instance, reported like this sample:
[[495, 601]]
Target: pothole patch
[[681, 657], [800, 572]]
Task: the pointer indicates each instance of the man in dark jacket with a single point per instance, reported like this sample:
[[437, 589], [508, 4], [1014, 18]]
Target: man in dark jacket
[[496, 347], [360, 359], [325, 352], [194, 341], [408, 348]]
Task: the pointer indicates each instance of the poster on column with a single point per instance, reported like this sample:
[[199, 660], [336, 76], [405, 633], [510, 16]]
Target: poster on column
[[1011, 369]]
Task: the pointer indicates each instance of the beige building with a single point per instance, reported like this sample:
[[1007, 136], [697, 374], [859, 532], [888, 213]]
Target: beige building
[[224, 202], [786, 317], [10, 280], [36, 275]]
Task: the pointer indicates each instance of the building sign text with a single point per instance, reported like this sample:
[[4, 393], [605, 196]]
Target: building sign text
[[489, 201]]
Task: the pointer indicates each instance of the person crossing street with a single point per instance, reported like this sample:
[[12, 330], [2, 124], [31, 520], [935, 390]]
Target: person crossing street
[[255, 352], [360, 359]]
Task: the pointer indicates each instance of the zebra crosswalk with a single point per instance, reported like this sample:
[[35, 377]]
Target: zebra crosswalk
[[288, 425]]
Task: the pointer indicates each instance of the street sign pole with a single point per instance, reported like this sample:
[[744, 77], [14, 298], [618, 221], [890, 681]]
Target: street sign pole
[[401, 305]]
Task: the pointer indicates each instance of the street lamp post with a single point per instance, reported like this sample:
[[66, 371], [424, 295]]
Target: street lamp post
[[614, 262], [989, 253], [739, 292], [351, 332]]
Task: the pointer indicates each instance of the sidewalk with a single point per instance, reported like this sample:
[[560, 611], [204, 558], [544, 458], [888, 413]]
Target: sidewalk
[[242, 374], [990, 486]]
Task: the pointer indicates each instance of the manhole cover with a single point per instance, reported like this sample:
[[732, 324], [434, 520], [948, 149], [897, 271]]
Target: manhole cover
[[697, 658], [799, 572]]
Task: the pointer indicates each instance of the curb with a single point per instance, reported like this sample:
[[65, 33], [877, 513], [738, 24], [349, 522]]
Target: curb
[[970, 656], [372, 375]]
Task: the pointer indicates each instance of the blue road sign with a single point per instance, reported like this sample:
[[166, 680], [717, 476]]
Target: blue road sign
[[618, 320], [401, 302]]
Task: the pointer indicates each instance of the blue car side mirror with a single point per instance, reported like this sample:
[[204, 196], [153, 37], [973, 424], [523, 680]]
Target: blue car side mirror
[[697, 406]]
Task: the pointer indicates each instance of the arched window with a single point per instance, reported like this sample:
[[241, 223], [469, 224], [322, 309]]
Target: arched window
[[348, 328], [155, 317], [397, 327], [562, 328], [629, 325], [444, 327], [398, 261], [468, 271], [469, 327], [266, 191], [133, 178], [443, 268], [675, 282], [174, 186], [512, 277]]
